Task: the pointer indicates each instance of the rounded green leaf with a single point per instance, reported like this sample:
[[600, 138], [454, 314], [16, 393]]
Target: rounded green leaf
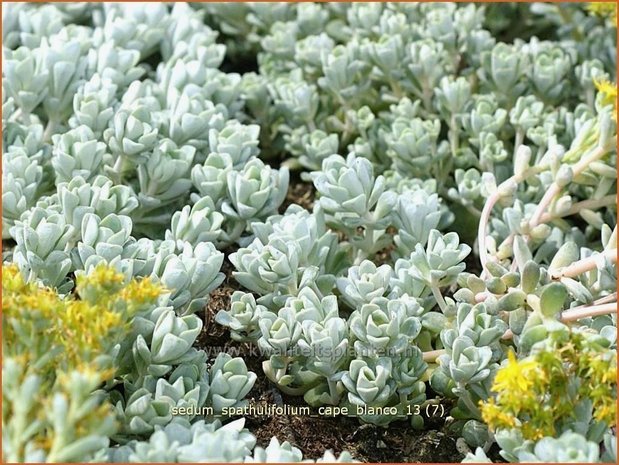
[[552, 299], [530, 276]]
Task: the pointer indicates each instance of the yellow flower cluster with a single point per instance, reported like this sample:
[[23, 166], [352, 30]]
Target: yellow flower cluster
[[138, 294], [538, 393], [39, 323], [609, 94], [517, 377], [517, 385], [104, 279], [604, 9], [601, 372]]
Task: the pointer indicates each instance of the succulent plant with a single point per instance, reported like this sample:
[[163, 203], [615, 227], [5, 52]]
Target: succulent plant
[[569, 447], [288, 252], [181, 441], [68, 372], [364, 283], [243, 318], [383, 327], [21, 179], [43, 247], [369, 385], [355, 199], [103, 240], [78, 153], [167, 343], [26, 77], [198, 223], [325, 344], [131, 134], [280, 334], [93, 105], [100, 196], [455, 174], [190, 275], [230, 382], [416, 214], [210, 178], [254, 193]]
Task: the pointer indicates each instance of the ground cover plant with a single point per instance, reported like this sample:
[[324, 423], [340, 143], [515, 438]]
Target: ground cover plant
[[276, 232]]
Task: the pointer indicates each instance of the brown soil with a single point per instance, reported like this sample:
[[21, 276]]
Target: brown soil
[[399, 442], [384, 256], [299, 192], [212, 333]]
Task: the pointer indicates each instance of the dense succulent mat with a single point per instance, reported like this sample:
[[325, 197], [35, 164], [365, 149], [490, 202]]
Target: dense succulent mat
[[375, 214]]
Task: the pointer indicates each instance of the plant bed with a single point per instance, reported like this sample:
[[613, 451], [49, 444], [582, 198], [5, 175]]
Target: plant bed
[[284, 232]]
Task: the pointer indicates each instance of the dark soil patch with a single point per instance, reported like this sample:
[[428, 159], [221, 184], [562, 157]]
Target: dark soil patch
[[399, 442], [213, 334], [384, 256], [7, 250], [301, 193]]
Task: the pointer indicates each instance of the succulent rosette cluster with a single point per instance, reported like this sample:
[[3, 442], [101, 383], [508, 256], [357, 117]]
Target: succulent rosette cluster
[[456, 222]]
